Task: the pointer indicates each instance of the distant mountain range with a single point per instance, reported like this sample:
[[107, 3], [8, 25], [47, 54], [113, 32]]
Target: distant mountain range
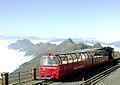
[[89, 41], [67, 45], [31, 49], [36, 49], [86, 41]]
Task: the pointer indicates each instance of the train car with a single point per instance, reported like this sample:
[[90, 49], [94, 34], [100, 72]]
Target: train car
[[60, 65]]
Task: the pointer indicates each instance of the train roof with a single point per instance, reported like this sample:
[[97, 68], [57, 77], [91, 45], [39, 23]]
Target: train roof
[[76, 51], [72, 52], [81, 51]]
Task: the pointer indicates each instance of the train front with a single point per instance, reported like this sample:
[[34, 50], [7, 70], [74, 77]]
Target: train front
[[49, 67]]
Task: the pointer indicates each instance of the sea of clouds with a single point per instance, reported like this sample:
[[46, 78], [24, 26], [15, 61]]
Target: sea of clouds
[[10, 59]]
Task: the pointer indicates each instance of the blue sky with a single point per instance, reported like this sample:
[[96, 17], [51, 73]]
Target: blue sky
[[61, 18]]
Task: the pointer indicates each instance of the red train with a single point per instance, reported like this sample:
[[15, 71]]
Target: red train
[[61, 65]]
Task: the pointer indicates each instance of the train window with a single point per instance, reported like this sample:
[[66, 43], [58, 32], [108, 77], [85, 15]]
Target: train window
[[83, 56], [79, 57], [64, 59], [70, 60], [86, 56], [48, 60], [74, 57], [104, 53], [89, 56], [99, 53], [59, 60], [92, 54]]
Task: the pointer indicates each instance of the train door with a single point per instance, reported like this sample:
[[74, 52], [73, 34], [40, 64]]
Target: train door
[[87, 58], [64, 65], [80, 62]]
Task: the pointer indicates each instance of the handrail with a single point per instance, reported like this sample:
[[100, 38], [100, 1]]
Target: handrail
[[17, 77]]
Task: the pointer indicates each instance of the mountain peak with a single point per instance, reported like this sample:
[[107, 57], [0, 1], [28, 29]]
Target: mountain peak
[[69, 40], [66, 45], [97, 45]]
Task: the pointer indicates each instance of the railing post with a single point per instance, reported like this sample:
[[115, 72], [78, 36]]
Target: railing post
[[91, 82], [2, 76], [34, 71], [83, 81], [6, 79], [19, 77]]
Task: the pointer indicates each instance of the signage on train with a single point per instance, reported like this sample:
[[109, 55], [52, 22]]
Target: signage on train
[[49, 67], [78, 67]]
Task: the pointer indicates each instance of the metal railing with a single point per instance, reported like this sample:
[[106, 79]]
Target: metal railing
[[27, 77], [18, 78], [3, 78]]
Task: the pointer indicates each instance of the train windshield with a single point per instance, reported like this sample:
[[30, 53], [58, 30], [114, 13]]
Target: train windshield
[[48, 60]]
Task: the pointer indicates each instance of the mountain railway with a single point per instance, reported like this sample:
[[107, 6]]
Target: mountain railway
[[62, 65]]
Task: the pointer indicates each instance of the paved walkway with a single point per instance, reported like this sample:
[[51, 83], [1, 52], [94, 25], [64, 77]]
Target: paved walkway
[[112, 79]]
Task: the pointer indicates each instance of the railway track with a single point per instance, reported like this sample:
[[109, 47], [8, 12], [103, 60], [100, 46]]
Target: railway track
[[93, 80]]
